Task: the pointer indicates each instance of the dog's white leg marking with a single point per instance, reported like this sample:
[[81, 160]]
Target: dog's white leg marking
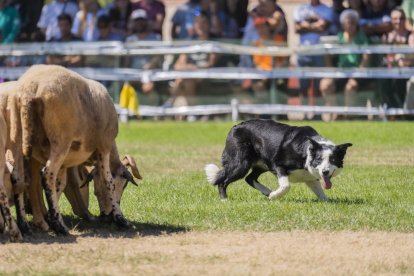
[[284, 187], [263, 189], [316, 187]]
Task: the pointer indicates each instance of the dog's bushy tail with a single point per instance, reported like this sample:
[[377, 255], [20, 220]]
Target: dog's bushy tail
[[214, 174]]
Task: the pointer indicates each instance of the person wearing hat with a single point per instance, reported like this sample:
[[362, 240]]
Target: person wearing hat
[[141, 32]]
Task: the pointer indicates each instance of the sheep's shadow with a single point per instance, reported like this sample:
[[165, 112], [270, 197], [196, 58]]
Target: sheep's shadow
[[80, 228]]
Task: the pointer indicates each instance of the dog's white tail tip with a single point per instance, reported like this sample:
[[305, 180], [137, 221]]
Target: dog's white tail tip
[[211, 173]]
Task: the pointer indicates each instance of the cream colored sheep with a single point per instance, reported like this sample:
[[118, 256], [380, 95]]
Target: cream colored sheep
[[64, 120]]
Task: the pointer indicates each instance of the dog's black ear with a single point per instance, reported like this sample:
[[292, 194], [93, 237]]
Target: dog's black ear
[[314, 144], [343, 147]]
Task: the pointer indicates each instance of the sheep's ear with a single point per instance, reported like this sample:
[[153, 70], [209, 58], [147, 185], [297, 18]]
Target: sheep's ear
[[313, 144], [130, 162]]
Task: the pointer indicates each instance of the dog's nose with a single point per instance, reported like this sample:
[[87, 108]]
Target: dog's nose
[[325, 173]]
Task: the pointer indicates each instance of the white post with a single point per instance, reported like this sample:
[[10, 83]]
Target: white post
[[234, 110]]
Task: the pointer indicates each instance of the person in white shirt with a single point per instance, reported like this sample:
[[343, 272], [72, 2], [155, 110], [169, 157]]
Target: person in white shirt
[[85, 23], [48, 22]]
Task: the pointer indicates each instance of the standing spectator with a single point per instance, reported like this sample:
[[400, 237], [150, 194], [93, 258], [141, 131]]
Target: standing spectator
[[188, 87], [408, 7], [119, 12], [311, 22], [375, 20], [357, 5], [85, 21], [65, 26], [9, 23], [178, 29], [392, 91], [155, 11], [141, 32], [349, 36], [48, 22], [236, 11], [338, 8]]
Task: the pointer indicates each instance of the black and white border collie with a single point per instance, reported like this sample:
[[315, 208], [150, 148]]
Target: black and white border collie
[[292, 154]]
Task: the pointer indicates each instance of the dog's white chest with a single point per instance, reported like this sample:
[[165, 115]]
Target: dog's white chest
[[300, 176]]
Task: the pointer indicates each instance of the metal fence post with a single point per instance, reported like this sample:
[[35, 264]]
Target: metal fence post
[[234, 110], [273, 90]]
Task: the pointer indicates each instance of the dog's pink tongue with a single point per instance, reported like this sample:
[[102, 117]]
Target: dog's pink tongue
[[327, 184]]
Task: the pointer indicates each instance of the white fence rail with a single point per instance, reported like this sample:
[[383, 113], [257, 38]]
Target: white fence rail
[[184, 47], [161, 48]]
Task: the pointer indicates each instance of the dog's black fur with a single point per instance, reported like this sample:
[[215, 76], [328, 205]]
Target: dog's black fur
[[266, 145]]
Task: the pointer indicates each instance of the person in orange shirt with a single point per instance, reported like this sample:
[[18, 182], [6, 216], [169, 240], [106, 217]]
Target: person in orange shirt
[[262, 62]]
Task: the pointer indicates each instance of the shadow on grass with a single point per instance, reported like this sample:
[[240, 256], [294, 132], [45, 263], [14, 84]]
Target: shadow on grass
[[96, 229], [346, 201]]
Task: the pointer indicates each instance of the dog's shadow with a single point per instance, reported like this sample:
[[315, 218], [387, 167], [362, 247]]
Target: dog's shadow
[[346, 201], [80, 228]]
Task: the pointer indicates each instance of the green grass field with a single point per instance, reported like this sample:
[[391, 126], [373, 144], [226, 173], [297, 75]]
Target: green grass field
[[375, 190]]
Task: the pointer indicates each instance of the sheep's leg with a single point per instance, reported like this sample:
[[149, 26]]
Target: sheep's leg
[[14, 232], [36, 197], [106, 177], [49, 176], [74, 196]]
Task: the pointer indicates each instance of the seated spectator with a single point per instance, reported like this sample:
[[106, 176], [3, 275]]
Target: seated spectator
[[16, 61], [312, 21], [155, 12], [48, 22], [236, 18], [350, 36], [141, 32], [375, 20], [188, 87], [277, 22], [119, 11], [178, 28], [29, 11], [85, 21], [105, 30], [216, 17], [65, 26], [392, 91], [266, 38], [9, 23]]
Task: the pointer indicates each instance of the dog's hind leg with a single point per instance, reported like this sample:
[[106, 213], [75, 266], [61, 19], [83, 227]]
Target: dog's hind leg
[[316, 187], [284, 185], [252, 180], [233, 174]]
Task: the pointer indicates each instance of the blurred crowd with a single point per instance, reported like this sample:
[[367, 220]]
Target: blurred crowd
[[352, 22]]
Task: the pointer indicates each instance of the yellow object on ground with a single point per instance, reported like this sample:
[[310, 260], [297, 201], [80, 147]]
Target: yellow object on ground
[[128, 98]]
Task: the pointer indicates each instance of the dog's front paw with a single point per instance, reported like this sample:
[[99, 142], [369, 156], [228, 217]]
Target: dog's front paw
[[274, 195]]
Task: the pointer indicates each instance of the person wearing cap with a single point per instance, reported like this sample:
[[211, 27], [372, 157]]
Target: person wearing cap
[[349, 36], [141, 32], [155, 12]]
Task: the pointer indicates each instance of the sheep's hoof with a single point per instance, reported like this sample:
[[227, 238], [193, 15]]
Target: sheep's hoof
[[60, 229], [104, 218], [24, 228], [15, 235], [42, 225], [121, 222]]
